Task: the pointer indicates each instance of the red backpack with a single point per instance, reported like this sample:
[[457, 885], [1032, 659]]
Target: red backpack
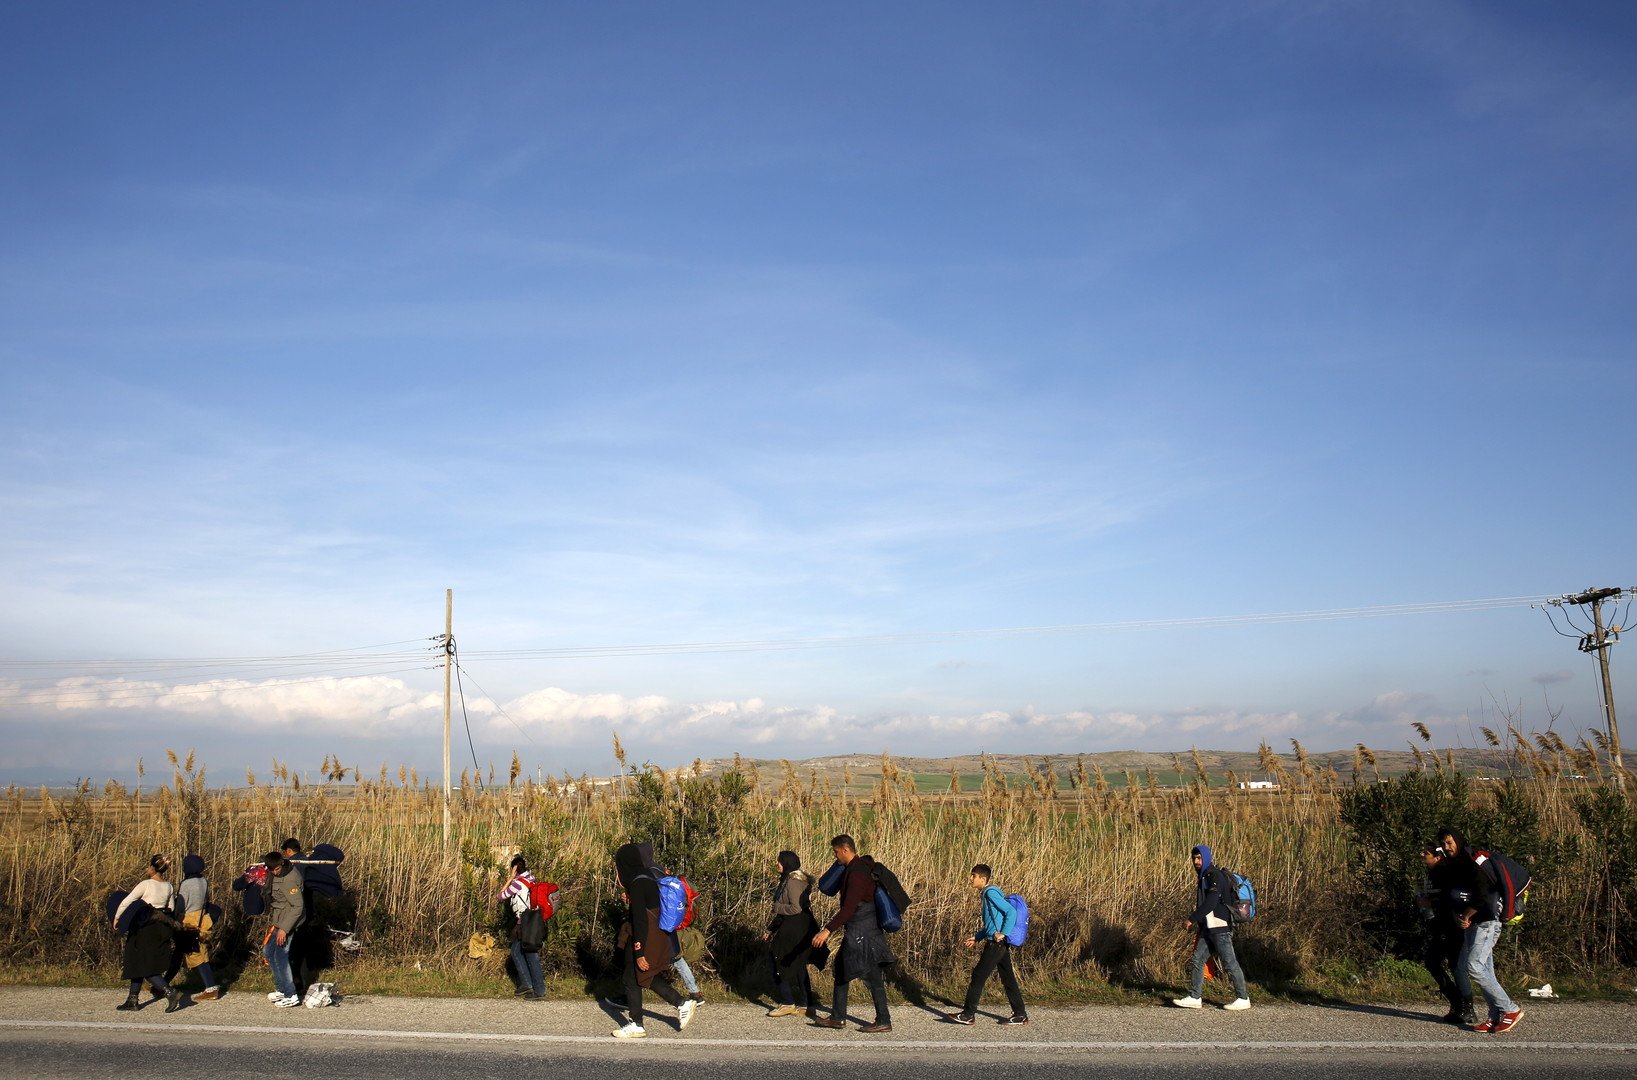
[[540, 897]]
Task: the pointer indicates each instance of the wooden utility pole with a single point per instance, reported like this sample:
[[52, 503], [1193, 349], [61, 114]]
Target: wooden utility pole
[[1599, 643], [448, 667]]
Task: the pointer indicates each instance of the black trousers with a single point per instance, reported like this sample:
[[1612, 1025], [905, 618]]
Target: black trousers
[[633, 990], [997, 955], [1442, 954], [873, 979], [794, 988]]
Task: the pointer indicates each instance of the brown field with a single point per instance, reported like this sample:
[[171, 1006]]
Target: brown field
[[1101, 857]]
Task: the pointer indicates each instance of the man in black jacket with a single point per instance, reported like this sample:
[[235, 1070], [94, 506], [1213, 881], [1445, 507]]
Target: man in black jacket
[[1213, 922], [1442, 954], [864, 947]]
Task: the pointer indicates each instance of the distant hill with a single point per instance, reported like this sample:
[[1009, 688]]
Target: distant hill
[[1169, 769]]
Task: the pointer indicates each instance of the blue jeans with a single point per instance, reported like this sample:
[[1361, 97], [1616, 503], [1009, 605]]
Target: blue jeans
[[278, 960], [528, 968], [1219, 941], [1477, 965]]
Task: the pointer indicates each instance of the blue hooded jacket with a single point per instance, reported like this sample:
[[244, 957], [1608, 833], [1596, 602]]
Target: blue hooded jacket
[[1210, 898]]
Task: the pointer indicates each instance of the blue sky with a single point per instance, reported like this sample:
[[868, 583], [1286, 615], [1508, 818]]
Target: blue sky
[[640, 323]]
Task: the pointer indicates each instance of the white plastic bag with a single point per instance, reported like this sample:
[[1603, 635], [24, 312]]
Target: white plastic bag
[[319, 995]]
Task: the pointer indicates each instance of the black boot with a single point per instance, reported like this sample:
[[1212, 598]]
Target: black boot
[[1468, 1015], [173, 999], [1454, 1014], [132, 1003]]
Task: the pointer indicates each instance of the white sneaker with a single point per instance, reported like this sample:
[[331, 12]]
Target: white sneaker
[[275, 995], [1237, 1004], [288, 1002], [1187, 1003], [684, 1013], [631, 1031]]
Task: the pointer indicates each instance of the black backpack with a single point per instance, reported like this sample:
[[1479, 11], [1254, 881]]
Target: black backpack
[[888, 882], [531, 930]]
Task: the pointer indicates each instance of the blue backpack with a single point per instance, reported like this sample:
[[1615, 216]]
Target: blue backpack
[[829, 883], [1240, 896], [887, 914], [673, 901], [1020, 930]]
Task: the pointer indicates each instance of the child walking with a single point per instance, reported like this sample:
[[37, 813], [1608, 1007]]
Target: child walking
[[999, 919]]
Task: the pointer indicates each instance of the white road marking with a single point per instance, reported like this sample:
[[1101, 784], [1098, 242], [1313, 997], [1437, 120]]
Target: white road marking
[[1475, 1044]]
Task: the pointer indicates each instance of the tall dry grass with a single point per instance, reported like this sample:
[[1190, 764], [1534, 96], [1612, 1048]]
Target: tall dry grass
[[1104, 865]]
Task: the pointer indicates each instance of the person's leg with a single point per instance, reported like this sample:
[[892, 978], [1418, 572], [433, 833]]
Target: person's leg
[[685, 973], [1222, 945], [838, 1003], [633, 990], [536, 974], [1463, 981], [668, 993], [804, 986], [1481, 967], [877, 982], [1433, 958], [987, 961], [278, 962], [1196, 966], [1008, 980]]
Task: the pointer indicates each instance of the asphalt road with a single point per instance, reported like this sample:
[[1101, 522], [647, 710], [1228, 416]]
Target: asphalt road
[[49, 1033]]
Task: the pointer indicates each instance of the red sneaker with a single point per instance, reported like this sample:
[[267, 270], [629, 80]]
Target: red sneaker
[[1508, 1021], [1486, 1027]]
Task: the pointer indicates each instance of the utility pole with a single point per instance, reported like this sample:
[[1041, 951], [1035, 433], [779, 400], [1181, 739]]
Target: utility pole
[[448, 667], [1598, 641]]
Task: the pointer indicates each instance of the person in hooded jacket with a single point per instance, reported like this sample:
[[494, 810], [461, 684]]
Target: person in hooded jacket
[[192, 941], [789, 937], [1442, 952], [864, 948], [647, 948], [1475, 909], [148, 936], [1213, 922]]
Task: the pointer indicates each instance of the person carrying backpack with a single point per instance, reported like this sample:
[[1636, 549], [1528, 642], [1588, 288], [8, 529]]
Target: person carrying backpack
[[1212, 921], [998, 926], [192, 941], [1474, 909], [647, 948], [864, 948], [531, 980], [312, 952]]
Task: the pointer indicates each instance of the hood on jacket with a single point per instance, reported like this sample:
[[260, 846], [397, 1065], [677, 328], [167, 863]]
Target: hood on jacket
[[193, 866], [1461, 846], [1204, 854], [632, 861]]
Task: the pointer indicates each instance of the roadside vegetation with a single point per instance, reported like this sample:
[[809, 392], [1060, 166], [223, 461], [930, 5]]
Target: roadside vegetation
[[1102, 860]]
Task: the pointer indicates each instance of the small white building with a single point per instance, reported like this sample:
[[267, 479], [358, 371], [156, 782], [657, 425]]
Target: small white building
[[1258, 785]]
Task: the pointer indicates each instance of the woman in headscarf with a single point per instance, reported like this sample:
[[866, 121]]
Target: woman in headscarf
[[148, 936], [192, 942], [647, 948], [789, 937]]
